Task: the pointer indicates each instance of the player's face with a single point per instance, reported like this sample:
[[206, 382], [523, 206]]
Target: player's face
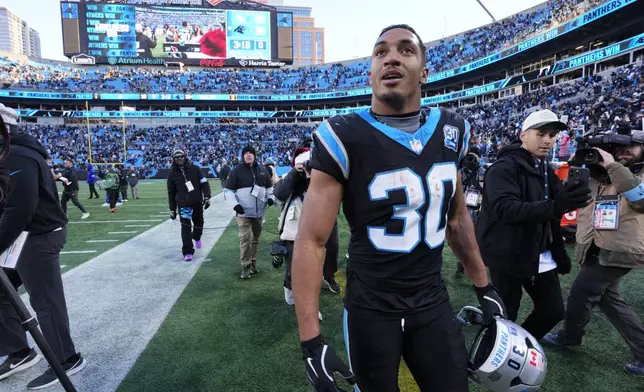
[[538, 141], [397, 72]]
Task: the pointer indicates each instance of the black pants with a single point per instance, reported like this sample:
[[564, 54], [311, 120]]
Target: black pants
[[431, 342], [92, 191], [545, 292], [73, 196], [331, 258], [113, 195], [597, 285], [124, 191], [39, 270], [188, 216], [288, 261]]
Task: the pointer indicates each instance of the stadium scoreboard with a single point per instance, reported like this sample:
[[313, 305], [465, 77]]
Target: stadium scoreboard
[[209, 33]]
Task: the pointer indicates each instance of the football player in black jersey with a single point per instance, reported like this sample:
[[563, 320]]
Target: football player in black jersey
[[394, 169]]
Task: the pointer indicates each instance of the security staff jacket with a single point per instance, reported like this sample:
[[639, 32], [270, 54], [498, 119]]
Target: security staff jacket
[[178, 194]]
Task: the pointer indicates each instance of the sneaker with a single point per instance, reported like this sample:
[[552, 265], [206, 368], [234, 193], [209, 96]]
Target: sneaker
[[347, 256], [288, 296], [245, 273], [198, 244], [106, 204], [119, 204], [187, 258], [47, 379], [253, 269], [85, 215], [16, 364], [125, 200], [636, 368], [332, 285], [560, 339]]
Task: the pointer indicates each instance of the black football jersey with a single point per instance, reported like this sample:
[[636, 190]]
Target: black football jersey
[[398, 187]]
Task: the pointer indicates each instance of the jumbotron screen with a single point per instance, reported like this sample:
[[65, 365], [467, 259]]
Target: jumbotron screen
[[158, 31]]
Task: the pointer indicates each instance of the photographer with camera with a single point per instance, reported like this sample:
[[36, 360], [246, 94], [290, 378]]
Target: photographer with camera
[[610, 239], [290, 192], [473, 178], [518, 228]]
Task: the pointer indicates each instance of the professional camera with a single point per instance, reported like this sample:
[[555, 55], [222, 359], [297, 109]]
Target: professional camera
[[607, 140]]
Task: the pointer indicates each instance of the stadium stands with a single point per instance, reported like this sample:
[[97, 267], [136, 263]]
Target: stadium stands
[[441, 55], [588, 102]]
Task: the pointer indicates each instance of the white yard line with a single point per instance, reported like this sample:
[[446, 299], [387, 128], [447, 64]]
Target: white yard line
[[138, 225], [122, 232], [118, 300], [77, 252], [99, 241], [118, 221]]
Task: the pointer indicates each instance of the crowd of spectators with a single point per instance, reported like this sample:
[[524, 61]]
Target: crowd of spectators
[[590, 102], [441, 55]]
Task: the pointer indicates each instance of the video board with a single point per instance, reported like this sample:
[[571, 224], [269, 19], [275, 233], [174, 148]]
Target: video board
[[194, 33]]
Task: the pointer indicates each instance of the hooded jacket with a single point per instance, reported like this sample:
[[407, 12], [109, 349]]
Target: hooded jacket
[[178, 194], [91, 175], [32, 204], [249, 186], [290, 193], [517, 221], [623, 247]]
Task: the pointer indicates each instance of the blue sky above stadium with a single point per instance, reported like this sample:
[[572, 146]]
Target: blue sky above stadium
[[351, 25]]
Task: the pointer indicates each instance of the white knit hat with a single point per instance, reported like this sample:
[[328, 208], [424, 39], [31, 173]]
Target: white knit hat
[[9, 115]]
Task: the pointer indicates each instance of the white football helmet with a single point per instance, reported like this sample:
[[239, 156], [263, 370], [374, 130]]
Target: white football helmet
[[504, 357]]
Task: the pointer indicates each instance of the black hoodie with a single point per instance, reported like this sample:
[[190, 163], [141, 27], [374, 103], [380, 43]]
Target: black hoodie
[[32, 204], [178, 194], [517, 222]]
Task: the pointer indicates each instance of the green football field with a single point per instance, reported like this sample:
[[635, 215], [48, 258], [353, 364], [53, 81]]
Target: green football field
[[225, 334]]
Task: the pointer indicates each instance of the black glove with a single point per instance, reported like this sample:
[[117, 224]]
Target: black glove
[[564, 265], [570, 198], [173, 214], [239, 209], [270, 202], [206, 203], [491, 303], [321, 362]]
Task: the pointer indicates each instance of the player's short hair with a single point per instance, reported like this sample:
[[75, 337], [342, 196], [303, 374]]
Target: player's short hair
[[410, 29]]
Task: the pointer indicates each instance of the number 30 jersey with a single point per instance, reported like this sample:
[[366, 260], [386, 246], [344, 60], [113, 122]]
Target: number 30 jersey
[[398, 188]]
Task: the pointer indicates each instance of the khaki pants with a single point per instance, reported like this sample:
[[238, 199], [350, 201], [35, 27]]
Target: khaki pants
[[249, 231]]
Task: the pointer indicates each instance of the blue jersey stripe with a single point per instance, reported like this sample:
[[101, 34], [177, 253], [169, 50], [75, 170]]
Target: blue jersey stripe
[[334, 146]]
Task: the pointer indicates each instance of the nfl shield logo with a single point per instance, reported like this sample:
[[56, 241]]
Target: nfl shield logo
[[214, 2], [416, 145]]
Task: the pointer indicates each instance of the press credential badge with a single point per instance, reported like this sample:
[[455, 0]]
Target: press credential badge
[[606, 215]]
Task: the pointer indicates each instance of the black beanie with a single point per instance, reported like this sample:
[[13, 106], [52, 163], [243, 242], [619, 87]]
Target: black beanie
[[249, 149]]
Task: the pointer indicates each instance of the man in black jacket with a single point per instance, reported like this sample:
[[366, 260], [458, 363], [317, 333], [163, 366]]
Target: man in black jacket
[[32, 206], [188, 189], [249, 191], [518, 228], [70, 188]]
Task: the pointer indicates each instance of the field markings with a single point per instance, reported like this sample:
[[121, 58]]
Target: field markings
[[99, 241], [122, 232], [77, 252], [109, 296], [118, 221], [138, 225]]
